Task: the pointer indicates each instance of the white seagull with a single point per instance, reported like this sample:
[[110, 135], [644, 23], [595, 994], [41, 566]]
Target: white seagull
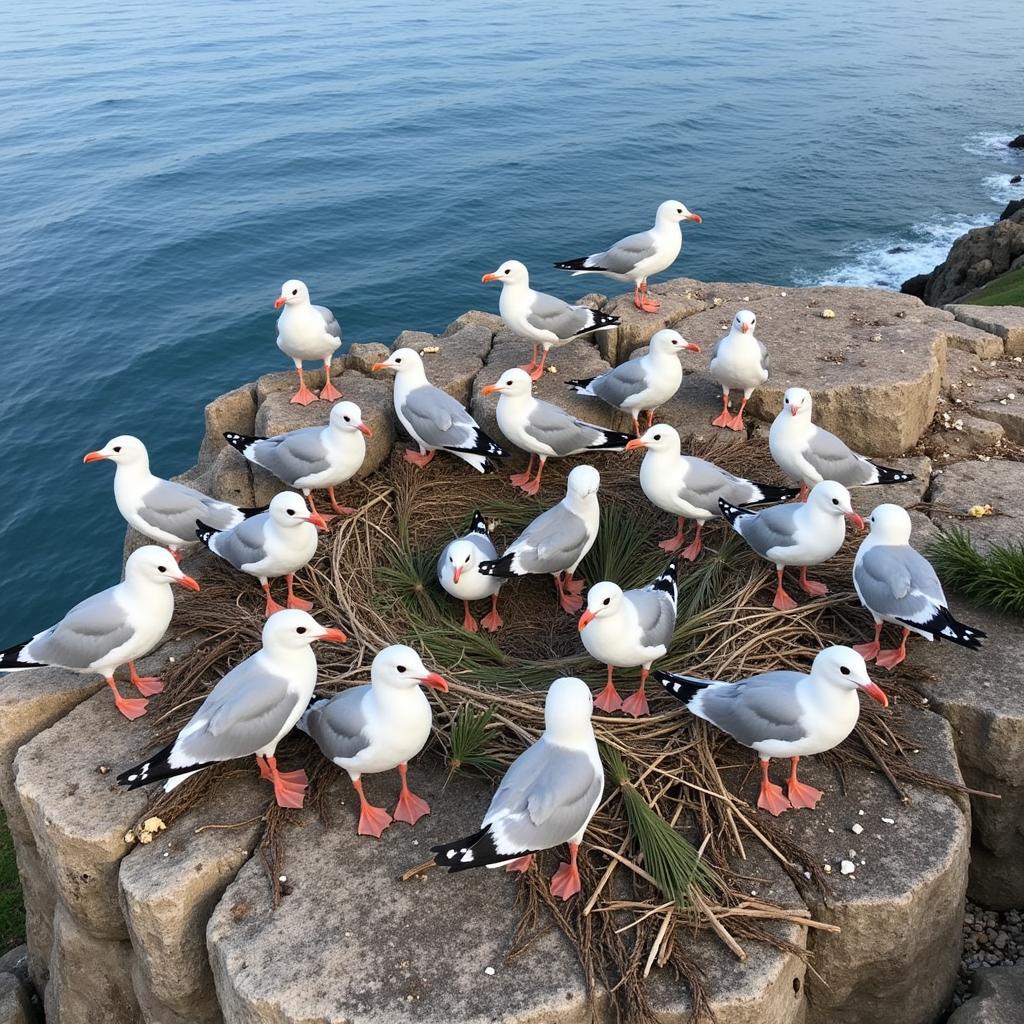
[[112, 628], [305, 331], [898, 585], [542, 429], [739, 362], [811, 454], [644, 383], [803, 534], [159, 509], [433, 419], [248, 712], [784, 714], [458, 571], [546, 320], [547, 797], [377, 727], [636, 257], [628, 628], [312, 457]]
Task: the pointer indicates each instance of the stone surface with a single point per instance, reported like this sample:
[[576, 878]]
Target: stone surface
[[1007, 322], [692, 409], [680, 298], [460, 355], [980, 343], [1009, 417], [972, 436], [998, 998], [998, 482], [39, 899], [235, 410], [910, 493], [362, 357], [228, 479], [15, 1003]]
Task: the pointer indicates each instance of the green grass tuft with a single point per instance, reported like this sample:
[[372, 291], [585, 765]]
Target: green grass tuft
[[12, 908], [1005, 290], [469, 741], [994, 578]]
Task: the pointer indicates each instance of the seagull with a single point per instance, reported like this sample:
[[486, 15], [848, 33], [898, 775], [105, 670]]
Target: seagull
[[629, 628], [643, 383], [690, 487], [305, 331], [636, 257], [804, 534], [458, 571], [159, 509], [112, 628], [433, 419], [248, 712], [547, 797], [543, 429], [545, 319], [784, 714], [898, 585], [739, 362], [557, 540], [810, 454], [378, 727], [312, 457], [278, 542]]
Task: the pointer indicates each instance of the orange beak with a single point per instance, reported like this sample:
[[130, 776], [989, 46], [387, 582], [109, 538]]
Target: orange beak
[[435, 682], [279, 302], [364, 429], [876, 693], [457, 574], [744, 328], [793, 410], [317, 520], [695, 217], [692, 347], [855, 519], [94, 457], [488, 277], [379, 366], [490, 389], [585, 619], [187, 581], [631, 446], [335, 636]]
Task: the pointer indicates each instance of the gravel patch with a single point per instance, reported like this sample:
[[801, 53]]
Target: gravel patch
[[991, 939]]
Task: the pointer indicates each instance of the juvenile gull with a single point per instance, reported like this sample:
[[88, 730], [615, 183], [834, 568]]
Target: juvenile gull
[[112, 628], [248, 712], [545, 319], [898, 585], [305, 331], [547, 797], [784, 714], [739, 362], [159, 509], [636, 257], [804, 534], [557, 540], [278, 542], [628, 628], [312, 457], [433, 419], [458, 571], [378, 727], [690, 488], [810, 454], [542, 429], [644, 383]]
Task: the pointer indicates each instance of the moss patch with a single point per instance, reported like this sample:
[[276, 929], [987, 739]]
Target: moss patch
[[12, 909], [1005, 290]]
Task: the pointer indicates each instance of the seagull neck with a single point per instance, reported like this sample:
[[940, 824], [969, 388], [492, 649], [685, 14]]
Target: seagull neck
[[142, 590], [411, 378], [580, 504], [136, 472], [292, 662], [663, 226], [570, 735]]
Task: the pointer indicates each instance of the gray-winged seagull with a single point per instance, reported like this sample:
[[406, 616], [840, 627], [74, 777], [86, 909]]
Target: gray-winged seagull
[[458, 571], [305, 331], [739, 362]]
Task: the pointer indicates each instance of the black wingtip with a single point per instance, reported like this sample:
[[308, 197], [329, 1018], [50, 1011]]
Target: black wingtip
[[666, 582], [610, 440], [9, 659], [888, 475], [580, 385], [204, 532], [732, 512], [683, 688], [255, 510], [497, 567], [576, 264], [479, 524], [240, 442], [771, 493]]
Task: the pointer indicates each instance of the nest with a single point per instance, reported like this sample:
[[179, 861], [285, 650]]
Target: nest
[[660, 857]]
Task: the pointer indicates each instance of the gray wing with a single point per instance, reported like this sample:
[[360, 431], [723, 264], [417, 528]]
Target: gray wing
[[770, 528], [705, 483], [243, 545], [338, 726], [293, 456], [174, 508], [764, 357], [89, 632], [656, 613], [625, 254], [549, 313], [898, 582], [622, 383], [551, 542], [438, 419], [760, 708], [835, 461], [550, 425], [333, 327]]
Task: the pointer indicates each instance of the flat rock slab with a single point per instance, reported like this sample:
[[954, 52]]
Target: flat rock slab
[[998, 997], [680, 298], [998, 482], [1007, 322]]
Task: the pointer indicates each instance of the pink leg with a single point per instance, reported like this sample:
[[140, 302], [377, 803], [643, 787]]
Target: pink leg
[[272, 605], [724, 418], [342, 510], [468, 621], [532, 364], [519, 479], [783, 602], [771, 797], [566, 881], [312, 508], [800, 795], [520, 863], [736, 423], [492, 621], [303, 396], [146, 685], [328, 393], [804, 491], [648, 305], [372, 820], [420, 459], [637, 704], [674, 543], [175, 554], [811, 587], [870, 650], [570, 603], [572, 586], [890, 659], [694, 548], [130, 707], [538, 371], [293, 601], [608, 700], [289, 787], [410, 808], [533, 486]]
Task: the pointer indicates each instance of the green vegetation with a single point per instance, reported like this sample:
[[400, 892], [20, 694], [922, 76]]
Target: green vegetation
[[12, 910], [470, 742], [1005, 290], [994, 579]]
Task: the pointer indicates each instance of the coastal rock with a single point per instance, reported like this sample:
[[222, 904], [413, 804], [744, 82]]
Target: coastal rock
[[477, 318], [40, 903], [1006, 322], [1011, 208], [998, 995], [982, 343], [362, 357], [229, 479], [680, 298], [998, 482], [460, 355], [235, 411], [975, 435], [1017, 142], [15, 1002], [286, 382], [1007, 419]]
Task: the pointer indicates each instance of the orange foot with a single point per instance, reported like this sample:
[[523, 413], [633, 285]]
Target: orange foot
[[572, 586], [297, 602], [419, 459], [373, 821], [890, 659], [869, 651], [146, 685], [468, 622], [303, 396], [724, 419], [492, 621], [565, 882], [570, 603], [329, 393], [518, 479], [531, 486], [783, 602], [801, 795], [410, 808], [130, 707], [693, 549], [608, 699], [637, 704], [736, 423], [290, 788], [520, 863], [672, 544], [813, 588], [537, 372], [772, 799]]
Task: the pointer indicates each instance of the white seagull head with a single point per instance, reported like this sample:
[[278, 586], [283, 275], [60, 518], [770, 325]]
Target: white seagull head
[[582, 482], [124, 450], [287, 510], [672, 212], [567, 710], [348, 418], [292, 630], [845, 668], [659, 437], [156, 565], [293, 293], [832, 497], [514, 382], [402, 360], [797, 402], [672, 342], [603, 599], [890, 524], [510, 272], [744, 322], [463, 556], [401, 667]]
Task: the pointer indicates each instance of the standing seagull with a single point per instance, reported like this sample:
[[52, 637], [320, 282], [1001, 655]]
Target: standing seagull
[[111, 628], [378, 727], [805, 534], [643, 383], [810, 454], [547, 797], [557, 540], [690, 488], [433, 419], [543, 429], [739, 362], [636, 257], [898, 585], [784, 714], [305, 331], [629, 628], [312, 457], [248, 712], [161, 510], [458, 571], [545, 319], [278, 542]]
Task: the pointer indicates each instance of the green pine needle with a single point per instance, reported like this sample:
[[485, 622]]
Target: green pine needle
[[469, 741], [994, 578]]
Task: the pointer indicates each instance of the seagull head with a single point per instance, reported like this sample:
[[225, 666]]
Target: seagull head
[[672, 342], [567, 710], [156, 565], [463, 556], [287, 509], [890, 524], [672, 212], [347, 417], [122, 450], [292, 293], [744, 322], [845, 668], [401, 361], [292, 630], [514, 382], [510, 272], [657, 438], [602, 599], [583, 481], [797, 402], [401, 667], [833, 498]]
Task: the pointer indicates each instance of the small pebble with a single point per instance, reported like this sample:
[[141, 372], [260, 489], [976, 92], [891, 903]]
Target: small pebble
[[847, 867], [856, 828], [489, 971], [828, 314]]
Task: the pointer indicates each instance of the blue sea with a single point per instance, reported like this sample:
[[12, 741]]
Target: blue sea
[[164, 167]]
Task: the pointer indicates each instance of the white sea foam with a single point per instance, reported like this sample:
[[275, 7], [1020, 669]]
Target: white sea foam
[[999, 188], [993, 144]]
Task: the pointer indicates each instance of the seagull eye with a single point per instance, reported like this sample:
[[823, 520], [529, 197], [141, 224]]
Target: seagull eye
[[657, 437], [607, 600], [467, 558], [398, 360], [401, 668], [679, 211], [162, 568], [300, 630], [291, 511], [508, 270], [295, 291], [785, 401], [844, 670], [117, 449], [835, 501]]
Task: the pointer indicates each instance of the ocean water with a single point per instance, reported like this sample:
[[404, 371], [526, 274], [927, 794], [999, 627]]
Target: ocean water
[[163, 168]]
